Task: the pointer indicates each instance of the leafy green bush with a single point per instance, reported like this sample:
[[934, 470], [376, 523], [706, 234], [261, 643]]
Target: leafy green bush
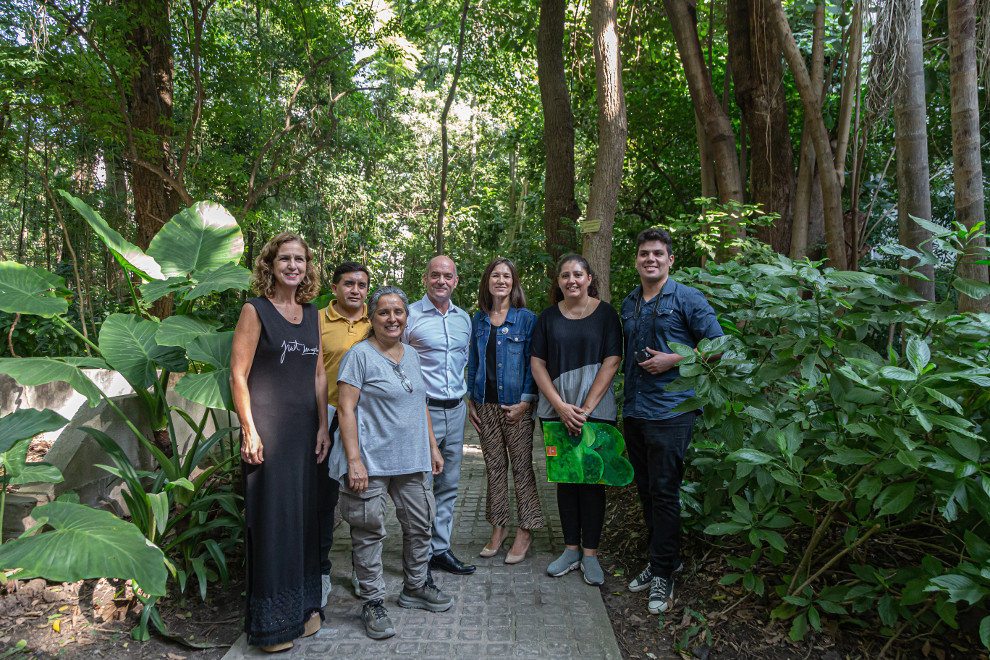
[[846, 417]]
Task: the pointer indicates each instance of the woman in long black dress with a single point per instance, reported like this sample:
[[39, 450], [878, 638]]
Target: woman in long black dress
[[279, 388]]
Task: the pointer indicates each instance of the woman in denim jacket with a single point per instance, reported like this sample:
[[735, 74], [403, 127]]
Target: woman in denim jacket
[[501, 393]]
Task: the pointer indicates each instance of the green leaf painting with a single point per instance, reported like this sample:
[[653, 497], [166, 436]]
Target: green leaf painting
[[594, 457]]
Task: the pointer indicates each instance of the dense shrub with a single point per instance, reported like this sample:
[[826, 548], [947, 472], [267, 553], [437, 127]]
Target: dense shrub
[[845, 418]]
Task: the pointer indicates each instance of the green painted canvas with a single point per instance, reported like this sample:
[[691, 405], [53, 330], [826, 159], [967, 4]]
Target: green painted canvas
[[594, 457]]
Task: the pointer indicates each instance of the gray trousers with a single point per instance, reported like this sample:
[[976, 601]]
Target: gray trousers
[[448, 427], [365, 513]]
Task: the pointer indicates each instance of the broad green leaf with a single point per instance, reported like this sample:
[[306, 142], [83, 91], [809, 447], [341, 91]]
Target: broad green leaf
[[210, 388], [959, 587], [128, 343], [681, 349], [27, 423], [200, 238], [182, 330], [918, 354], [155, 289], [38, 371], [972, 288], [957, 424], [944, 400], [985, 631], [830, 494], [851, 278], [750, 456], [897, 373], [887, 609], [25, 290], [228, 276], [159, 509], [799, 628], [128, 255], [37, 473], [85, 543], [894, 498], [717, 529]]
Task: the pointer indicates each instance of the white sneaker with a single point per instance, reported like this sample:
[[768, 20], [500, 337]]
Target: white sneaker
[[326, 591]]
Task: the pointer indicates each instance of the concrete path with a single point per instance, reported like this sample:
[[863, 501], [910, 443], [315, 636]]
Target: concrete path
[[501, 611]]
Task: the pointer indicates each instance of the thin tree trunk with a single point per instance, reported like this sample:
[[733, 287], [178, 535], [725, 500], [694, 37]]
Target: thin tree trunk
[[911, 141], [754, 55], [24, 194], [560, 210], [683, 22], [831, 191], [443, 129], [850, 87], [611, 153], [967, 167], [806, 161], [709, 188]]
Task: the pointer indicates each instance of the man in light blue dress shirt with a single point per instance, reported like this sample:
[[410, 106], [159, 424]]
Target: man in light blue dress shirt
[[440, 332]]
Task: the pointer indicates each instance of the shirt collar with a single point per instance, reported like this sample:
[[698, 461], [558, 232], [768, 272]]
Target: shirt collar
[[426, 305], [668, 289], [333, 315]]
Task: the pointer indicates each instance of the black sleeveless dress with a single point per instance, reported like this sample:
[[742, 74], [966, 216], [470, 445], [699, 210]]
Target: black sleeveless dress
[[283, 539]]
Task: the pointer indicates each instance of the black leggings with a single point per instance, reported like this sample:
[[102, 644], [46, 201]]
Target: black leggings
[[582, 508], [582, 513]]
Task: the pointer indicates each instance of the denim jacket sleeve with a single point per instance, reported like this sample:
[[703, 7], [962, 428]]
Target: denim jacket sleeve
[[529, 391], [472, 365]]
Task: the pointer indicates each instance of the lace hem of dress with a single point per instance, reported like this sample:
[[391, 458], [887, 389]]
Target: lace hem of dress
[[282, 617]]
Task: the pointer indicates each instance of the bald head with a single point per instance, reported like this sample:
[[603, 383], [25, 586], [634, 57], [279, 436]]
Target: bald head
[[440, 279]]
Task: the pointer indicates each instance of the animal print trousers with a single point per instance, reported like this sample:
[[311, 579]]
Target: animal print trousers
[[503, 443]]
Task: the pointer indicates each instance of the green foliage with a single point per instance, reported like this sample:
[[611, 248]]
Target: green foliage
[[85, 543], [844, 416], [185, 513]]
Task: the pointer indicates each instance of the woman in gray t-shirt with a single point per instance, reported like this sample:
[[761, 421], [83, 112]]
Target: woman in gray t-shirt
[[387, 447]]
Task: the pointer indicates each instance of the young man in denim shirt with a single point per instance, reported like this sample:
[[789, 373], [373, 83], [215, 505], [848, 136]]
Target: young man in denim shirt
[[658, 312]]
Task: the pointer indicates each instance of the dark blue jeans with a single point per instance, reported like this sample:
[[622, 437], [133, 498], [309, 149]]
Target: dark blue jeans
[[656, 451]]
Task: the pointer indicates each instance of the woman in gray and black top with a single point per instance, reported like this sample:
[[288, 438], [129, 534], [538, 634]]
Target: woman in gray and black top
[[576, 351]]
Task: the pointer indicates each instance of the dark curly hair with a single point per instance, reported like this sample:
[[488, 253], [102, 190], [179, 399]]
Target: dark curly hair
[[556, 295], [263, 277]]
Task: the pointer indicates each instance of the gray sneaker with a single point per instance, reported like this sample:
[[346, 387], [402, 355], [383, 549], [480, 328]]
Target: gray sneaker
[[355, 583], [428, 597], [325, 579], [593, 573], [565, 563], [642, 581], [377, 625], [661, 594]]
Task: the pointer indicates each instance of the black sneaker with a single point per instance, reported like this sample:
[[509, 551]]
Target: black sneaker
[[642, 581], [377, 625], [661, 594], [427, 597]]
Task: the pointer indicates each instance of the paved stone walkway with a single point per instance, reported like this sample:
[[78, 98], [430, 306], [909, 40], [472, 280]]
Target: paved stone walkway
[[501, 611]]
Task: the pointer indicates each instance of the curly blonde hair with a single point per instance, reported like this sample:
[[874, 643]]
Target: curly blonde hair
[[263, 277]]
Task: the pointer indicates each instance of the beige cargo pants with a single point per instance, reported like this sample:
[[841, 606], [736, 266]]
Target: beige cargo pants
[[365, 513]]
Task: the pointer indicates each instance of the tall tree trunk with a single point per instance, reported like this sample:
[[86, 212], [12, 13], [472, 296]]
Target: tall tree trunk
[[801, 229], [611, 153], [443, 129], [850, 88], [967, 168], [709, 188], [150, 106], [684, 23], [810, 99], [754, 56], [560, 210], [911, 142]]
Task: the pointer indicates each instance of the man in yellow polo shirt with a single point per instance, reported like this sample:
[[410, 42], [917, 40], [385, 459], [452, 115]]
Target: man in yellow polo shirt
[[343, 323]]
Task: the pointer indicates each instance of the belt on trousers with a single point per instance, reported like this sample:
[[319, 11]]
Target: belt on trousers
[[442, 403]]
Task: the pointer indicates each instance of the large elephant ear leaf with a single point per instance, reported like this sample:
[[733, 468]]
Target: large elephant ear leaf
[[227, 276], [181, 330], [38, 371], [27, 423], [210, 388], [128, 343], [86, 543], [128, 255], [26, 290], [200, 238]]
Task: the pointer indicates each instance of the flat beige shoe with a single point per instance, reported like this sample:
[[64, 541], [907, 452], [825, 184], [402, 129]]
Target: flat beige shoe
[[313, 626], [276, 648]]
